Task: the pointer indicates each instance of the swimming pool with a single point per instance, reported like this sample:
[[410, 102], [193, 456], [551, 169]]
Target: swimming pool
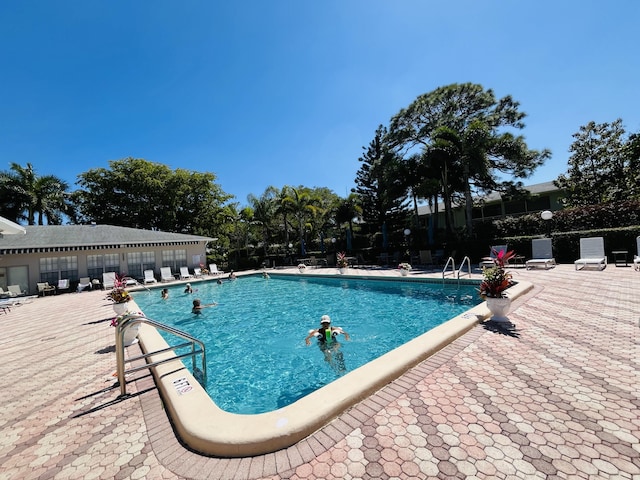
[[257, 358]]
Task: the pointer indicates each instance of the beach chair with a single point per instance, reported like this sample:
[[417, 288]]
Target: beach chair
[[197, 272], [108, 280], [184, 273], [541, 254], [591, 254], [213, 269], [166, 275], [44, 287], [490, 261], [84, 282], [63, 284], [149, 277]]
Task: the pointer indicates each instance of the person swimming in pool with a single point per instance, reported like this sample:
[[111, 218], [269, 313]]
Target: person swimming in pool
[[198, 306], [326, 333], [187, 288], [328, 344], [165, 293]]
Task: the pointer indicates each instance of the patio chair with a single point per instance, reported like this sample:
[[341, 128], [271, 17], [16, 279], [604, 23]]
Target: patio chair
[[108, 280], [63, 284], [184, 273], [197, 272], [591, 254], [16, 291], [4, 293], [44, 287], [166, 275], [490, 261], [541, 253], [84, 282], [213, 269], [149, 277]]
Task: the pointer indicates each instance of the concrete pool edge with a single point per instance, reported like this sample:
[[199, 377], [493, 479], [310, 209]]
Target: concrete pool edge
[[205, 428]]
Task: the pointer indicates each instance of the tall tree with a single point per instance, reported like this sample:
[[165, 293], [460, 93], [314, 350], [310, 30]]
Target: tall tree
[[303, 205], [264, 213], [380, 183], [484, 150], [24, 195], [601, 165], [141, 194]]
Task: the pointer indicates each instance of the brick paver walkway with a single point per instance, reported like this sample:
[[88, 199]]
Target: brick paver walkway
[[557, 397]]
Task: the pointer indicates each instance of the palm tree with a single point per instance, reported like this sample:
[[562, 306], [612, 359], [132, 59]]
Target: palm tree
[[264, 211], [27, 194], [303, 206], [346, 210]]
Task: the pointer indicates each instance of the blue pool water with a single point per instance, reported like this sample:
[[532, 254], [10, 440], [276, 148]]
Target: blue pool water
[[257, 360]]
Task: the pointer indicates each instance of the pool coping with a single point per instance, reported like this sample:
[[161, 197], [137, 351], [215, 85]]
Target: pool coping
[[205, 428]]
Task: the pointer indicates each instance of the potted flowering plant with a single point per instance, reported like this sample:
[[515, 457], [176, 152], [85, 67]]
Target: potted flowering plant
[[119, 295], [495, 281], [405, 268], [341, 260]]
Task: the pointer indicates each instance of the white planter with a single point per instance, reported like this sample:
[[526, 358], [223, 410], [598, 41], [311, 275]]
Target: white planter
[[342, 270], [130, 335], [404, 272], [121, 308], [499, 307]]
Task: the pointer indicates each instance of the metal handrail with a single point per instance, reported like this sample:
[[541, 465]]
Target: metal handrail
[[132, 319], [468, 262], [451, 261]]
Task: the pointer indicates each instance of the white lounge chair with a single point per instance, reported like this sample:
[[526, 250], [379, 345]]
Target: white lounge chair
[[63, 284], [197, 272], [16, 291], [184, 273], [149, 277], [108, 280], [542, 254], [636, 258], [213, 269], [166, 275], [84, 282], [488, 262], [591, 254], [4, 294]]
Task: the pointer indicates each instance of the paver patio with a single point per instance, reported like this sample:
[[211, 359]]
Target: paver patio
[[557, 397]]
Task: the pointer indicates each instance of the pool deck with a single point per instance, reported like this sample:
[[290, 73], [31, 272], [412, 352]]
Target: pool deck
[[558, 396]]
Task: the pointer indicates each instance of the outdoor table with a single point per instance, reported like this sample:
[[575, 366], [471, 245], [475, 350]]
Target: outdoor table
[[620, 258]]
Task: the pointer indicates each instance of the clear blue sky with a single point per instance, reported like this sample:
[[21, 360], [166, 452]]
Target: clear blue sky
[[288, 92]]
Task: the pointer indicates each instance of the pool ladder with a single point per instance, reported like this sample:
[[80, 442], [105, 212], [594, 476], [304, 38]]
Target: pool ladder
[[132, 319], [456, 273]]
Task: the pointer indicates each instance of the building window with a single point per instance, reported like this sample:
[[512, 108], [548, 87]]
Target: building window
[[98, 264], [174, 259], [535, 204], [53, 269], [138, 262], [513, 207]]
